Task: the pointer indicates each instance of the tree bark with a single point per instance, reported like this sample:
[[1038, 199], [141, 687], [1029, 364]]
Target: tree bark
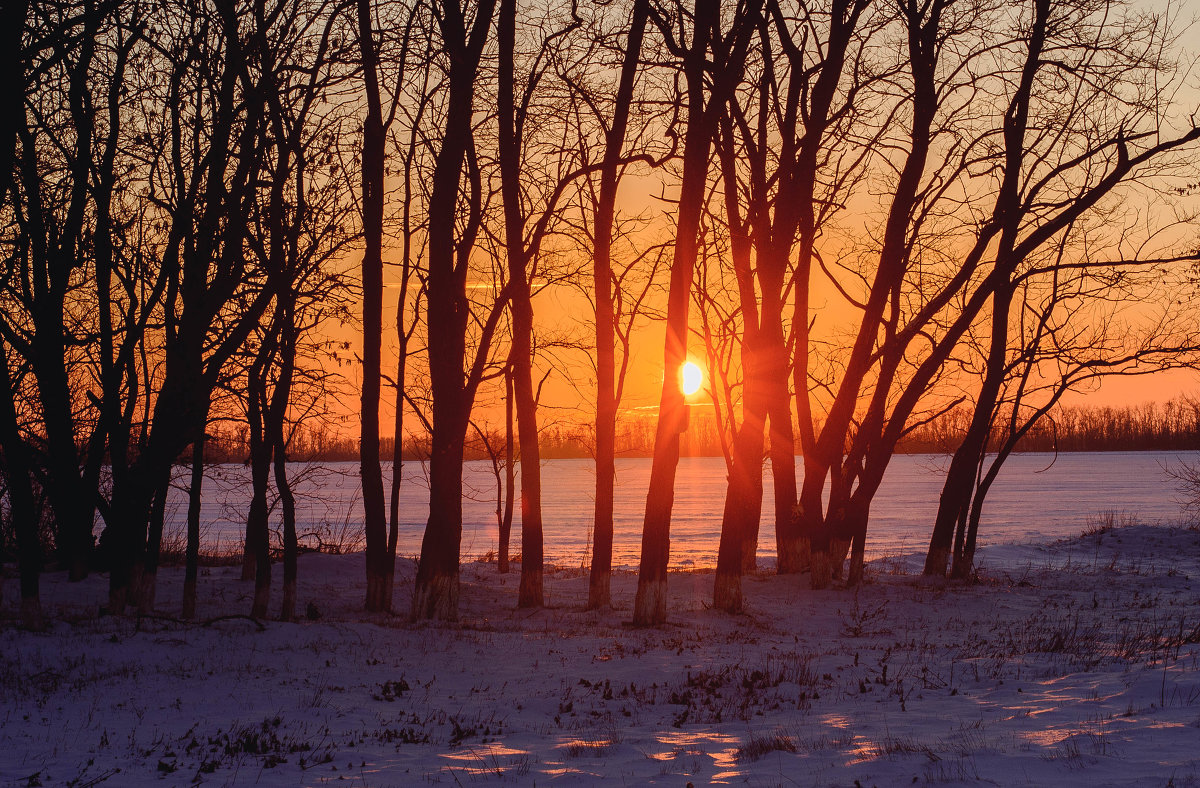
[[743, 497], [147, 569], [291, 548], [437, 588], [782, 444]]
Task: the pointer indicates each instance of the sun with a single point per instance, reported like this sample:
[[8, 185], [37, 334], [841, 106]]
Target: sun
[[691, 378]]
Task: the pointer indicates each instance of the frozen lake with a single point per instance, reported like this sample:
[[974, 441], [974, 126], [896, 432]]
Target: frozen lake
[[1038, 497]]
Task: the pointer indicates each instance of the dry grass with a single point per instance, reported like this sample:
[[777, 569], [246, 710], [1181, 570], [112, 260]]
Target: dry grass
[[759, 745]]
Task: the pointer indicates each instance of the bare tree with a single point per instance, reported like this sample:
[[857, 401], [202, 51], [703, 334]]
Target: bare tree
[[1039, 186], [463, 35], [65, 173], [204, 262], [374, 139], [708, 87], [407, 144], [607, 388], [623, 269], [17, 464], [1071, 324], [17, 469]]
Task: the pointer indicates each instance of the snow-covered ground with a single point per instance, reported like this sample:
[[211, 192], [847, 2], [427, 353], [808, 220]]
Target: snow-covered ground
[[1072, 663]]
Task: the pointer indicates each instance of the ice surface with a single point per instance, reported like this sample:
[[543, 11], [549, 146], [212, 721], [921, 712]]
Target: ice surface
[[1037, 497]]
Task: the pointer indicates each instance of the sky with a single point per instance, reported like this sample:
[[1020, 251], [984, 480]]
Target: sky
[[562, 312]]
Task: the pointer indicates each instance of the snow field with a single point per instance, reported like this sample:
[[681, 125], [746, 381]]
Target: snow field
[[1069, 663]]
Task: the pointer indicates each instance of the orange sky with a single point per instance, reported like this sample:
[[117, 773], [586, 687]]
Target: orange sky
[[567, 394]]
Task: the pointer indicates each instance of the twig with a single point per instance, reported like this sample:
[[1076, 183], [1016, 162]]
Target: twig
[[98, 779], [205, 623]]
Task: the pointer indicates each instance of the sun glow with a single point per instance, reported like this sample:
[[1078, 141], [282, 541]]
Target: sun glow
[[691, 378]]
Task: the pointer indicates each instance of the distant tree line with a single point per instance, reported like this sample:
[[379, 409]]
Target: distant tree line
[[1173, 425], [1152, 426], [873, 223]]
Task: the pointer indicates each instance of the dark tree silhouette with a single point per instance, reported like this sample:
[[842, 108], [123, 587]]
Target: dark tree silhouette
[[607, 392], [205, 270], [379, 591], [16, 459], [453, 389], [708, 87]]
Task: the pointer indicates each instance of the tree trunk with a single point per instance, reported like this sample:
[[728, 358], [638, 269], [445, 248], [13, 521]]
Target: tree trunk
[[195, 498], [291, 548], [520, 260], [257, 528], [737, 552], [147, 574], [375, 523], [960, 479], [256, 564], [435, 594], [510, 472], [856, 524], [599, 577], [277, 417], [21, 504], [599, 594], [398, 442], [964, 561], [814, 536], [964, 554], [953, 502], [70, 504], [751, 515], [783, 455], [125, 536], [530, 593], [743, 496], [650, 602], [53, 259], [16, 453]]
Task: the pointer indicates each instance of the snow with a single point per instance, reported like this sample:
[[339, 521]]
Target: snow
[[1075, 662]]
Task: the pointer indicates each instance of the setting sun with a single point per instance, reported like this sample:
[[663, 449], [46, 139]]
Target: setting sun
[[691, 378]]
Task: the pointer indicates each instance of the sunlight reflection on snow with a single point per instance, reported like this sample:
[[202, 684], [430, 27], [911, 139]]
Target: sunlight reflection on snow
[[860, 747], [696, 744], [493, 758]]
